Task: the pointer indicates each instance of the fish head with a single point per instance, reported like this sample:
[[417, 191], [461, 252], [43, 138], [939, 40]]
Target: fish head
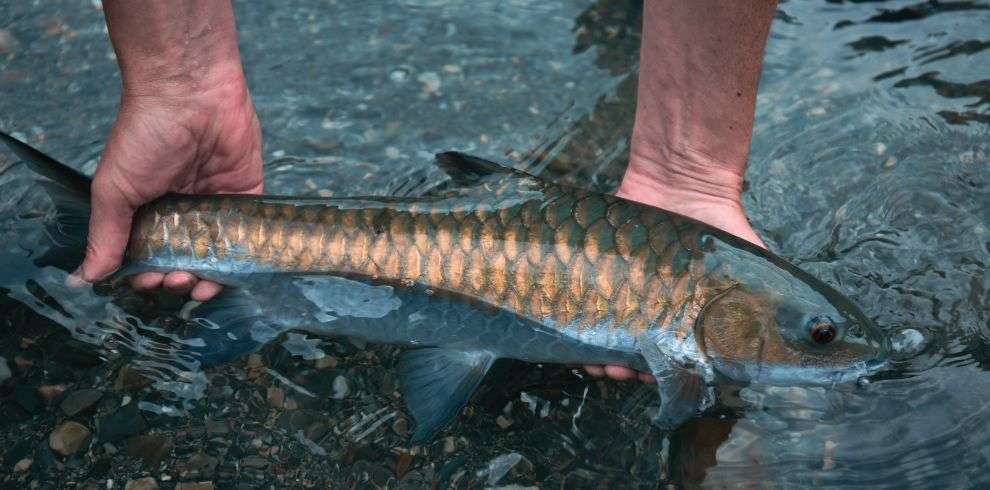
[[771, 322]]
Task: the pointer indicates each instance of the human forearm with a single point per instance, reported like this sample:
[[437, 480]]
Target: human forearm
[[699, 71], [170, 47]]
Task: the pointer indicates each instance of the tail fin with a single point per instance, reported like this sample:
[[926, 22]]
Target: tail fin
[[68, 189]]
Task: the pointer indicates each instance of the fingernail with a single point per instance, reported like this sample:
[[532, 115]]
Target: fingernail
[[75, 280]]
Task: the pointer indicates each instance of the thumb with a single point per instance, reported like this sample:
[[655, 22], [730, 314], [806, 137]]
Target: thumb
[[109, 228]]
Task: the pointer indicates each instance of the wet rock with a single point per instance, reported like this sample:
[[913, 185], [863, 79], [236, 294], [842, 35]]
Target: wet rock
[[125, 422], [400, 426], [431, 81], [8, 43], [80, 401], [129, 379], [5, 373], [27, 398], [217, 427], [503, 422], [254, 462], [49, 393], [23, 465], [374, 474], [326, 362], [149, 448], [69, 438], [276, 397], [316, 431], [204, 485], [341, 387], [148, 483], [449, 444], [199, 465], [24, 362]]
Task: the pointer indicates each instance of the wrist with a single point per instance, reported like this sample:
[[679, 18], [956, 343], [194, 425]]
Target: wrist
[[684, 174], [704, 191], [221, 82]]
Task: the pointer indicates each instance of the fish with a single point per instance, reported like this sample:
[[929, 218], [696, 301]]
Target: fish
[[495, 263]]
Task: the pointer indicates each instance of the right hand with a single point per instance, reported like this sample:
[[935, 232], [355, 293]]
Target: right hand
[[203, 140]]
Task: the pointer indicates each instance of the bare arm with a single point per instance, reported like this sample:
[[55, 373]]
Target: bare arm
[[186, 124], [700, 65], [699, 69]]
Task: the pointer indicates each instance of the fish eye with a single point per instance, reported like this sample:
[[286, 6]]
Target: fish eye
[[823, 330]]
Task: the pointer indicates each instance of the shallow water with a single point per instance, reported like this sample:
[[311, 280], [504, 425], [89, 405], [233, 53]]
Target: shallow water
[[870, 167]]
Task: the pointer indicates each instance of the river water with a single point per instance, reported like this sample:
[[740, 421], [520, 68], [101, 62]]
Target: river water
[[870, 167]]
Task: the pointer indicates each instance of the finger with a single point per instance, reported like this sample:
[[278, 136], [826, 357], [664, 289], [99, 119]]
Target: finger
[[205, 290], [147, 281], [595, 371], [620, 373], [179, 283], [109, 229], [647, 378]]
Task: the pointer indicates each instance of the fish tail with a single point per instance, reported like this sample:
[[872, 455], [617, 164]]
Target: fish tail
[[69, 190]]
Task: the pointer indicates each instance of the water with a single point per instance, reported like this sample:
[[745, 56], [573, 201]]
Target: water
[[870, 167]]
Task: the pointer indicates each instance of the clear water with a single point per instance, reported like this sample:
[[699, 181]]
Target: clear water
[[870, 167]]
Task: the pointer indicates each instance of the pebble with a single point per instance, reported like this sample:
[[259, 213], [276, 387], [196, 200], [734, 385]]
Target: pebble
[[254, 462], [125, 422], [23, 465], [430, 80], [449, 444], [503, 422], [203, 485], [890, 162], [276, 397], [5, 373], [49, 393], [198, 466], [69, 438], [327, 362], [217, 427], [400, 426], [7, 41], [149, 448], [148, 483], [130, 379], [340, 388], [398, 75], [79, 401]]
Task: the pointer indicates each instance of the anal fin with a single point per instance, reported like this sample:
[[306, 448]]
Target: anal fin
[[231, 325], [437, 383]]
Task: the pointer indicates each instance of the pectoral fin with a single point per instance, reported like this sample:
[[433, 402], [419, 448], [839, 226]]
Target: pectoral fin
[[683, 391], [436, 384]]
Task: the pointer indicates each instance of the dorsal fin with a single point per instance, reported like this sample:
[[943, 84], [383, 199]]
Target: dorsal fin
[[466, 170], [47, 166]]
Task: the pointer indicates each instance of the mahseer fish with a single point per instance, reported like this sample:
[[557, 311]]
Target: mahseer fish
[[495, 264]]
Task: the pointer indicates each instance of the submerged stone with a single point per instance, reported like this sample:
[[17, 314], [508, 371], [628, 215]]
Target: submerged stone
[[68, 438]]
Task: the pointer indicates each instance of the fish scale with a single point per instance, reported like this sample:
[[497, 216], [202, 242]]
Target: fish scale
[[573, 259]]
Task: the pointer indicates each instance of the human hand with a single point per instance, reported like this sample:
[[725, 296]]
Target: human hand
[[701, 190], [186, 124], [203, 139], [700, 66]]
